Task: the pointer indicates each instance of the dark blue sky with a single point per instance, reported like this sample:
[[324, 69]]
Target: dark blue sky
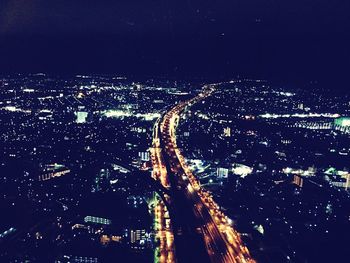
[[298, 40]]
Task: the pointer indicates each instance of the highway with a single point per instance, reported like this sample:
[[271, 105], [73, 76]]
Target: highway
[[164, 233], [201, 230], [165, 252]]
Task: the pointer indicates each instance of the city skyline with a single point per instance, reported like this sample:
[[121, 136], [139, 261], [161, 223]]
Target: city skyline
[[242, 170]]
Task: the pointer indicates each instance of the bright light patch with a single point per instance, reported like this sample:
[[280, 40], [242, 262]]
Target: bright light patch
[[344, 122], [242, 170], [299, 115], [28, 90], [122, 114], [14, 109]]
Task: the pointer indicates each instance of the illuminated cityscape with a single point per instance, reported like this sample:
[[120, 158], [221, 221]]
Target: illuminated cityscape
[[242, 170], [174, 131]]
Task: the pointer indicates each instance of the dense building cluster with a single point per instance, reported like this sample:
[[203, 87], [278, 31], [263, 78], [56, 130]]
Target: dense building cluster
[[278, 161], [75, 150], [76, 167]]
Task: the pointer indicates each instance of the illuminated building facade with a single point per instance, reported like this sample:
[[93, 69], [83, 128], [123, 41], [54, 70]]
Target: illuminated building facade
[[97, 220], [53, 171], [81, 117], [298, 180], [222, 172], [144, 156]]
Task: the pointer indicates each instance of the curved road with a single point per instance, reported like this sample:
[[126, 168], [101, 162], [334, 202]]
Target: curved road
[[197, 218]]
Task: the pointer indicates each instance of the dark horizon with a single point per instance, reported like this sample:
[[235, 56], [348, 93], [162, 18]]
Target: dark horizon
[[291, 42]]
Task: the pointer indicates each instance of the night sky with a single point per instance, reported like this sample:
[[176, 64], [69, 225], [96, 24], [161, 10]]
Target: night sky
[[289, 41]]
